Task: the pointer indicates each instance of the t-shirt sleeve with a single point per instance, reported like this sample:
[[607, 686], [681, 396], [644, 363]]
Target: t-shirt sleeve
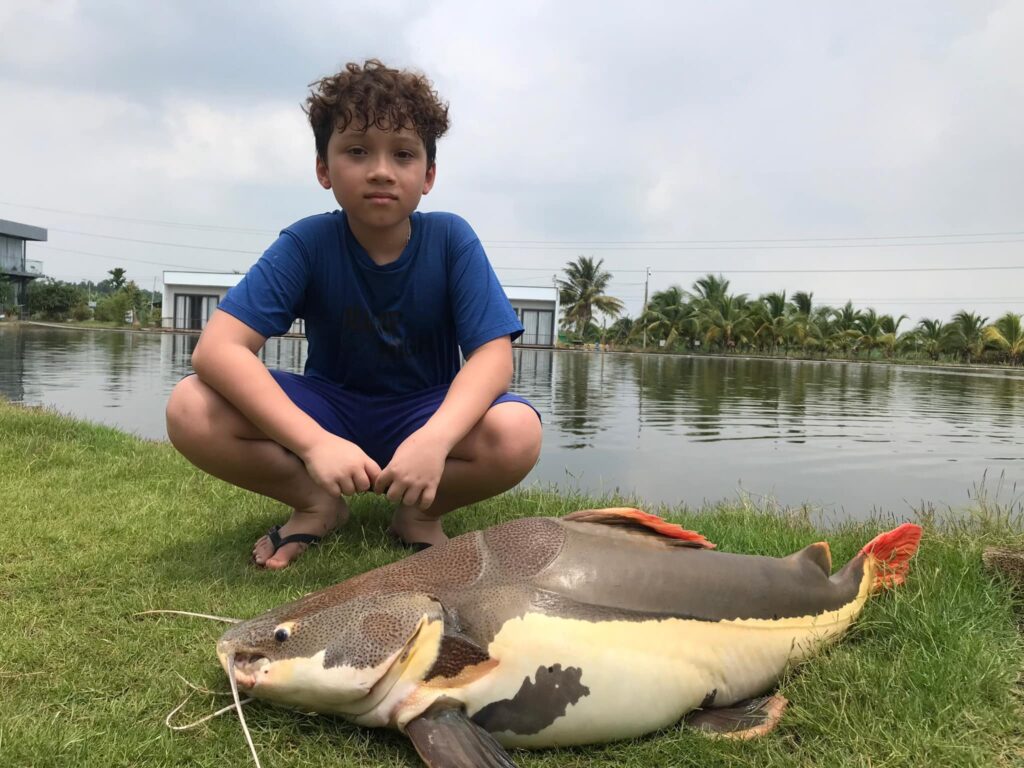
[[271, 295], [481, 309]]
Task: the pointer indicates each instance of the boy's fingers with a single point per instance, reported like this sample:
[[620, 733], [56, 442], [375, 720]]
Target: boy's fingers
[[412, 496], [347, 486], [381, 483], [362, 481], [395, 492]]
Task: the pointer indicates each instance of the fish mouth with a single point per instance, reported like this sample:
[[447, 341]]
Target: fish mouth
[[249, 668]]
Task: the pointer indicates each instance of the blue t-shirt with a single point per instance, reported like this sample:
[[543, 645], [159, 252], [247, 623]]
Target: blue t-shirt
[[391, 329]]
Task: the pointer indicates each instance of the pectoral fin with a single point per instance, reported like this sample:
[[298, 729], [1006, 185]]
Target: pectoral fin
[[745, 719], [445, 738]]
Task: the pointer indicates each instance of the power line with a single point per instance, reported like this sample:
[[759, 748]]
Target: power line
[[154, 222], [186, 267], [727, 271], [670, 249], [156, 242], [838, 270], [502, 243], [572, 248], [547, 269]]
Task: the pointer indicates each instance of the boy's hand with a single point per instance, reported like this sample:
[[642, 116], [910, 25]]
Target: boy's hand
[[414, 472], [340, 467]]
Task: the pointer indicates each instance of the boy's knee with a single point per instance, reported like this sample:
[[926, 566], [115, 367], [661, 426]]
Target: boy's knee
[[518, 434], [184, 410]]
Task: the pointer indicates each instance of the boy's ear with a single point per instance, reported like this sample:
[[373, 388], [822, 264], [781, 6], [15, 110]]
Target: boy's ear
[[321, 173], [428, 182]]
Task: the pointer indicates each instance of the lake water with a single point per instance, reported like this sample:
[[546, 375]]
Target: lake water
[[848, 439]]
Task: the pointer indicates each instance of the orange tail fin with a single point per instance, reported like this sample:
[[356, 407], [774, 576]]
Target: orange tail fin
[[892, 552]]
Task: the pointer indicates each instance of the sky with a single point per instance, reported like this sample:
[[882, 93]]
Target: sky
[[861, 151]]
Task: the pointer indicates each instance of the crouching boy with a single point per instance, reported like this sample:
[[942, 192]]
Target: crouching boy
[[389, 297]]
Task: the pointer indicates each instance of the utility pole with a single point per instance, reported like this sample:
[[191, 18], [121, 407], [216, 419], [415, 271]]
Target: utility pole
[[647, 281]]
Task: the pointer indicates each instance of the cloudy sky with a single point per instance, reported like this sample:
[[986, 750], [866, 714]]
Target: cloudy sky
[[781, 144]]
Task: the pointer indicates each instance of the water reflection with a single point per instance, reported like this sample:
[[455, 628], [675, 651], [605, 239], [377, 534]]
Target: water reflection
[[845, 436]]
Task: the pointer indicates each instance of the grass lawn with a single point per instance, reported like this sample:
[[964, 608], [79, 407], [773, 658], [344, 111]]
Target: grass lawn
[[100, 525]]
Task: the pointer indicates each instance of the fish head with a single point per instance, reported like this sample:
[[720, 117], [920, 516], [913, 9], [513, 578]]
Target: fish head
[[335, 656]]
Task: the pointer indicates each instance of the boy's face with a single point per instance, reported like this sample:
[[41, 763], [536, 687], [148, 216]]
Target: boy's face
[[377, 176]]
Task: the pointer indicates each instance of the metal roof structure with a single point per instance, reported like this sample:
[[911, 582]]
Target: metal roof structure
[[22, 231]]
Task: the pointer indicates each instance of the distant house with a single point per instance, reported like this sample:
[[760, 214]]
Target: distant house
[[14, 266], [537, 307], [191, 297]]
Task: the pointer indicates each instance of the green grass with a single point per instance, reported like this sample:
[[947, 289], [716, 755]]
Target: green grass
[[100, 525]]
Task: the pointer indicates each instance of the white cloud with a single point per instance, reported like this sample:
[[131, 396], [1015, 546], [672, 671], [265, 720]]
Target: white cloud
[[570, 121], [259, 144]]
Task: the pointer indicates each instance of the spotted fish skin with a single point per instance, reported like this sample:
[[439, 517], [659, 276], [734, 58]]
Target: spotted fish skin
[[549, 631]]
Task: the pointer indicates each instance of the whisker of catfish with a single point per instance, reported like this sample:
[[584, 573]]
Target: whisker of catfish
[[188, 726], [200, 689], [225, 619], [238, 706]]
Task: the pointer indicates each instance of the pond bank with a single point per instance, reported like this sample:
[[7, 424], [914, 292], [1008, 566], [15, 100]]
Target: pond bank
[[901, 362], [102, 525]]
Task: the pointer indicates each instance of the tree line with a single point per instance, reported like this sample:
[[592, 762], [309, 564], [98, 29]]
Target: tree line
[[109, 300], [708, 317]]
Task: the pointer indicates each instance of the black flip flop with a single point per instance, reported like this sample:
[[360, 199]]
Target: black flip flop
[[277, 540], [398, 541]]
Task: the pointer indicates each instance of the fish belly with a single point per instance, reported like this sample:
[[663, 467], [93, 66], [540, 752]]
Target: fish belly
[[639, 676]]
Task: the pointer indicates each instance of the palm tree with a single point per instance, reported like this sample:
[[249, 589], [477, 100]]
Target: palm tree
[[710, 288], [844, 330], [583, 291], [966, 332], [727, 322], [845, 319], [622, 330], [770, 319], [887, 337], [808, 325], [807, 334], [117, 279], [932, 335], [670, 316], [802, 303], [1007, 335]]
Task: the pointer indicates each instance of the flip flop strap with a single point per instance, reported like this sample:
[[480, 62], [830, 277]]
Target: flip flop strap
[[278, 541]]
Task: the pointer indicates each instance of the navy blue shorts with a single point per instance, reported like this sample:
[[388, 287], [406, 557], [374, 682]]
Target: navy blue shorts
[[377, 424]]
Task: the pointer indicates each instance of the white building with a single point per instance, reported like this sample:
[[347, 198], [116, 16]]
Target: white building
[[191, 297]]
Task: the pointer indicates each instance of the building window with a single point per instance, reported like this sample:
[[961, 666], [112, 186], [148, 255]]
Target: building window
[[538, 327], [192, 311]]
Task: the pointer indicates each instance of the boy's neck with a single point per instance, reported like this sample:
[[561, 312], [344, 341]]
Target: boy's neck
[[382, 246]]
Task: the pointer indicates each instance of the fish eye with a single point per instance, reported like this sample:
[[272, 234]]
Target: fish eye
[[281, 634]]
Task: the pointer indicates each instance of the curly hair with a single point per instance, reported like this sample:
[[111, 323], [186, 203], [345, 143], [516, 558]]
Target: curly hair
[[374, 94]]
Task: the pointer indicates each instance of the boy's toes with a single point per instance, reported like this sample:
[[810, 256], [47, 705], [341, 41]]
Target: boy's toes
[[284, 556], [262, 551], [276, 551]]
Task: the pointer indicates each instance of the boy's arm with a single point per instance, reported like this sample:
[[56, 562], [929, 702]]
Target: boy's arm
[[414, 472], [225, 359], [486, 375]]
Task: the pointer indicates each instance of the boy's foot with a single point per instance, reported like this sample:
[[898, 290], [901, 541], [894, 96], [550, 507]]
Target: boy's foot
[[416, 529], [314, 522]]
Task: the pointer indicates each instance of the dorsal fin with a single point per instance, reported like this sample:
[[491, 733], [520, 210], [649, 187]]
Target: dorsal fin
[[817, 553], [643, 522]]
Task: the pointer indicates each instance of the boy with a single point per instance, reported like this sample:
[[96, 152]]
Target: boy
[[389, 296]]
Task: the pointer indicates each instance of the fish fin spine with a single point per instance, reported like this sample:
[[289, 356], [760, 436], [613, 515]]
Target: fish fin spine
[[630, 516], [890, 554], [819, 553]]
